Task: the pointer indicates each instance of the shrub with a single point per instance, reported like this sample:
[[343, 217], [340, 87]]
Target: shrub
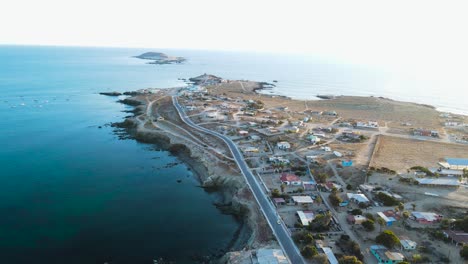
[[388, 239], [368, 225]]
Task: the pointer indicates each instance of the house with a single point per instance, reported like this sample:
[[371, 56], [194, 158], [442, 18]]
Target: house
[[314, 139], [369, 124], [322, 246], [283, 145], [243, 133], [338, 154], [305, 217], [330, 185], [389, 220], [311, 158], [407, 244], [446, 172], [425, 132], [457, 237], [327, 149], [278, 160], [309, 185], [211, 114], [330, 113], [302, 199], [455, 164], [330, 256], [451, 123], [357, 198], [355, 219], [425, 217], [255, 138], [366, 188], [250, 150], [279, 201], [385, 256], [394, 195], [290, 179], [293, 129], [441, 182]]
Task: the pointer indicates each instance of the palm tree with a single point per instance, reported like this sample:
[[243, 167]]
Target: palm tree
[[318, 200], [414, 206], [282, 187], [401, 206]]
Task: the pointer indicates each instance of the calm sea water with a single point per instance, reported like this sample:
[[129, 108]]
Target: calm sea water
[[71, 192]]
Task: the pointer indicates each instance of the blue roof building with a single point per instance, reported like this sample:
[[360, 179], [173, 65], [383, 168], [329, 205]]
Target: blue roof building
[[385, 256], [455, 164]]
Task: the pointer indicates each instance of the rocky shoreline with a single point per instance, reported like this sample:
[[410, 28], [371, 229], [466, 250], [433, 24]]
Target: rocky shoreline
[[230, 189]]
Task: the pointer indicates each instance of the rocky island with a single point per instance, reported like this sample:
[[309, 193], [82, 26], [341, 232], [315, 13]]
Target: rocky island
[[302, 154], [160, 58]]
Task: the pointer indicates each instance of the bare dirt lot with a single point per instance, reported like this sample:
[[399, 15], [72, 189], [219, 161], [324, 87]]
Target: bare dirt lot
[[400, 154]]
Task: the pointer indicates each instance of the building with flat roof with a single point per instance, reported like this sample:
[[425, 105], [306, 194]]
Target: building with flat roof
[[357, 197], [305, 217], [385, 256], [439, 182], [330, 256], [425, 217], [457, 237], [407, 244], [455, 163], [283, 145], [355, 219], [290, 179], [302, 199], [388, 220]]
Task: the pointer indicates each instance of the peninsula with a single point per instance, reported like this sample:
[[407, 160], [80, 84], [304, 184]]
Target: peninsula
[[160, 58], [311, 179]]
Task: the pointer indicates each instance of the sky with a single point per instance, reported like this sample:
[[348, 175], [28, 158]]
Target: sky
[[425, 35]]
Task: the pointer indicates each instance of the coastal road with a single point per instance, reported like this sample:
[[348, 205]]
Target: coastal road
[[280, 230]]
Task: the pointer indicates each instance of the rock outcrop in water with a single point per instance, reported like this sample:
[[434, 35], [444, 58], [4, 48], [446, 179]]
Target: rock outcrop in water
[[160, 58]]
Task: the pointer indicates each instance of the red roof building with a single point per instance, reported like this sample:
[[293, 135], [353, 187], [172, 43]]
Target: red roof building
[[288, 179]]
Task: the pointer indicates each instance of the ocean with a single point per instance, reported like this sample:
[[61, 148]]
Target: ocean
[[73, 192]]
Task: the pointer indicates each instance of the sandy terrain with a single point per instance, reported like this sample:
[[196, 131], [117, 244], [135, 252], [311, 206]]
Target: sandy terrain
[[401, 154]]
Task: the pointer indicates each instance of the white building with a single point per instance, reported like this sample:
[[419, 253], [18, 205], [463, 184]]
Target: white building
[[305, 217], [407, 244], [357, 197], [302, 199], [283, 145]]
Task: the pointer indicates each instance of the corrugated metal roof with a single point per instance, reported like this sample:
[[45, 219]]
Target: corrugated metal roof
[[439, 181]]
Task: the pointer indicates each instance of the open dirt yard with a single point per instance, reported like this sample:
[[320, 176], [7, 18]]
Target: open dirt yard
[[401, 154]]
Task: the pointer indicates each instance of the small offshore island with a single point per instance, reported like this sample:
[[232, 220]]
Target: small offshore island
[[318, 165], [160, 58]]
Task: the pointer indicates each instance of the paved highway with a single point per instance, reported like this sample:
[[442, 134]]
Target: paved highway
[[280, 230]]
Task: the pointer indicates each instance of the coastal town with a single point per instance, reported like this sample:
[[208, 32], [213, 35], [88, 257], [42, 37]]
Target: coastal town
[[337, 180]]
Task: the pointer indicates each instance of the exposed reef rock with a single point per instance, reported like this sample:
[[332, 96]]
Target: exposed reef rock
[[111, 93]]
